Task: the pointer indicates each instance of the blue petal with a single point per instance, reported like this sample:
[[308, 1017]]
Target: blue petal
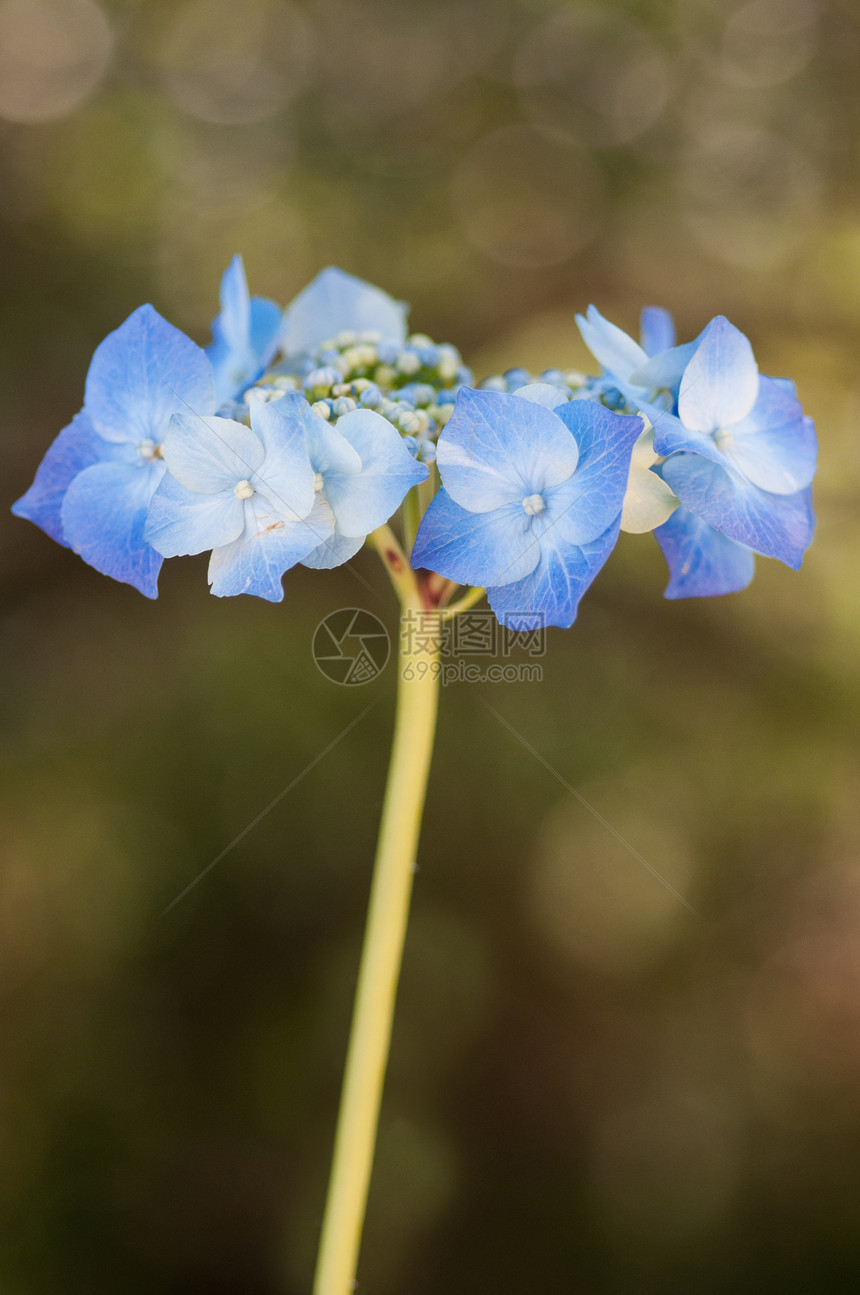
[[663, 372], [77, 447], [702, 562], [234, 322], [489, 548], [182, 521], [286, 476], [366, 499], [671, 436], [775, 447], [656, 330], [104, 516], [553, 590], [336, 550], [614, 349], [325, 447], [337, 302], [497, 449], [245, 335], [720, 384], [592, 499], [211, 454], [268, 546], [777, 526], [143, 374]]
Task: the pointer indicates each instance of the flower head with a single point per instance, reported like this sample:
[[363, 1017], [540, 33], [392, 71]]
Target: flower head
[[531, 501], [93, 489], [740, 454], [290, 488]]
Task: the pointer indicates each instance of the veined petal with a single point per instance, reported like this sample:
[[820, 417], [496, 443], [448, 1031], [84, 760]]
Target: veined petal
[[333, 552], [720, 384], [591, 500], [614, 349], [702, 561], [267, 321], [775, 447], [498, 449], [777, 526], [491, 548], [670, 435], [268, 546], [182, 521], [286, 476], [211, 454], [336, 302], [141, 375], [104, 516], [78, 446], [656, 330], [363, 500], [552, 591]]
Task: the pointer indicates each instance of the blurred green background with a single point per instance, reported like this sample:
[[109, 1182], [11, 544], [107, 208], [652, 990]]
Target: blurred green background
[[591, 1089]]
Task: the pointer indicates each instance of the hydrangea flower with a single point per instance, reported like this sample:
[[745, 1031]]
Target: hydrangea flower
[[93, 488], [740, 454], [336, 302], [531, 501], [702, 561], [291, 488], [245, 336]]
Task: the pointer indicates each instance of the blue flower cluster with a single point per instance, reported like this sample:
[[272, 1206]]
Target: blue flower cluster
[[298, 432]]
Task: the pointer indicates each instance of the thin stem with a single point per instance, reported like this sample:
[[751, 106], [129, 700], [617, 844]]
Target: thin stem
[[414, 730], [462, 604], [396, 564]]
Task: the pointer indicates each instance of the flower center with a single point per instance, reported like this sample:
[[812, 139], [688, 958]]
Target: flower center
[[319, 482], [723, 438], [148, 449], [533, 504], [244, 490]]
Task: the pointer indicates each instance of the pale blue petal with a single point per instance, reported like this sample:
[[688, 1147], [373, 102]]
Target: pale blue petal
[[336, 550], [267, 321], [285, 427], [663, 372], [551, 593], [497, 449], [543, 393], [777, 526], [234, 322], [670, 435], [702, 562], [492, 548], [182, 521], [104, 516], [366, 499], [656, 330], [143, 374], [336, 302], [775, 447], [211, 454], [720, 384], [592, 499], [269, 546], [614, 349], [77, 447]]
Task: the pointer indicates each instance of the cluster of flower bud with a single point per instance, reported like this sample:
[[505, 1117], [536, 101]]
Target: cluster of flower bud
[[413, 386]]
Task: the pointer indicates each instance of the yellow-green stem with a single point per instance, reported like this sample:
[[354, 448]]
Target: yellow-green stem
[[414, 730]]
